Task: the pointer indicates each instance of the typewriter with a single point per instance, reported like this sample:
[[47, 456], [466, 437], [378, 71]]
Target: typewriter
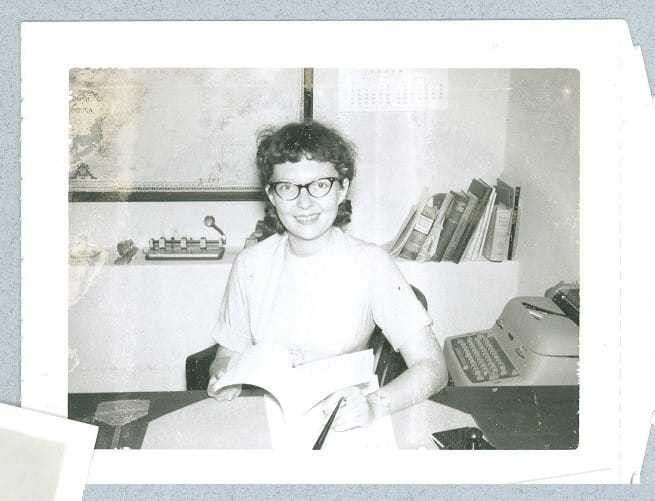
[[534, 342]]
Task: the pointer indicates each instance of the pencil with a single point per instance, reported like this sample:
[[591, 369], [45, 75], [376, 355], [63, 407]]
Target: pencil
[[326, 428]]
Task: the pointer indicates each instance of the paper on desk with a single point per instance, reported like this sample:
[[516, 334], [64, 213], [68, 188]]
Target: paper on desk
[[209, 424], [43, 457], [296, 389]]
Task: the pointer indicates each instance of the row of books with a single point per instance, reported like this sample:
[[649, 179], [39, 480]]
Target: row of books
[[480, 223]]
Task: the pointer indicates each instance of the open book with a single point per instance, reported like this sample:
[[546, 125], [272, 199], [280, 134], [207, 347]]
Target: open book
[[297, 389], [294, 419]]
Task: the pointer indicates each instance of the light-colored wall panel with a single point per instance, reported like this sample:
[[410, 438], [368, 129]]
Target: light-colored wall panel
[[542, 155], [400, 152]]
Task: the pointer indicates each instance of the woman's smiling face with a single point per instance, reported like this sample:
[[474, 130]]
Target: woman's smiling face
[[307, 219]]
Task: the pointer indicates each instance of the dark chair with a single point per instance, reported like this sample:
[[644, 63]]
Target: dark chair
[[388, 363], [197, 368]]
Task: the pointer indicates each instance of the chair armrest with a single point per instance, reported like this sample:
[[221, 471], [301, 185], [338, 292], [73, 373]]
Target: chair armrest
[[197, 368], [389, 364]]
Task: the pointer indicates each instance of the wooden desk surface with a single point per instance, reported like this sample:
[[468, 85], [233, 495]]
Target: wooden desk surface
[[511, 417]]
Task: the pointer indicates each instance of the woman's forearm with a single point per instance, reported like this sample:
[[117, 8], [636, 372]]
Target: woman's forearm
[[419, 382]]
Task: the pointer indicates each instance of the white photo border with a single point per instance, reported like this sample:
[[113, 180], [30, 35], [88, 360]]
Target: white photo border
[[594, 48]]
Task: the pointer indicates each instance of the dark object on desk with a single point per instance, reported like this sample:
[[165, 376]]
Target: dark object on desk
[[388, 363], [118, 413], [326, 428], [467, 438]]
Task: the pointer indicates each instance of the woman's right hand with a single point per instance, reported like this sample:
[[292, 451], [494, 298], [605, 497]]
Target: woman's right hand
[[224, 394]]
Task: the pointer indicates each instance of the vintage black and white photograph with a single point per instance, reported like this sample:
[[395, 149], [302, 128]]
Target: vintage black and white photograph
[[331, 262], [338, 259]]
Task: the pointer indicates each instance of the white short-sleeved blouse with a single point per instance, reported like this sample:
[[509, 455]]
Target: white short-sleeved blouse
[[317, 306]]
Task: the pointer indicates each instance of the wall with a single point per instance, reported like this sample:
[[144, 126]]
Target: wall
[[400, 152], [542, 156]]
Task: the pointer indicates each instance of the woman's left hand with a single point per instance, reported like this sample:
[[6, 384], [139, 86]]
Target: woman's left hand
[[355, 410]]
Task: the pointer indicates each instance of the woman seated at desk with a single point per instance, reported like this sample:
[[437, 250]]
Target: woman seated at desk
[[318, 291]]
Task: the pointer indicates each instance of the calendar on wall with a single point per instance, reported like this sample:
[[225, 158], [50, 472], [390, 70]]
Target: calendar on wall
[[392, 90]]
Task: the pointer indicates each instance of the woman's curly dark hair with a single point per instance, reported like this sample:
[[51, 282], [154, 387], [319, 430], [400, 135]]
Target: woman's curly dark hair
[[310, 140]]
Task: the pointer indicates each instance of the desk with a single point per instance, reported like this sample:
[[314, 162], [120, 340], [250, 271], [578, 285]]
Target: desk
[[511, 417]]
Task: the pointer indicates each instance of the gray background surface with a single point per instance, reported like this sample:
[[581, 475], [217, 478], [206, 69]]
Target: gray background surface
[[639, 14]]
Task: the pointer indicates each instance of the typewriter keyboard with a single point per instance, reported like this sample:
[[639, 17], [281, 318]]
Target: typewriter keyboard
[[482, 358]]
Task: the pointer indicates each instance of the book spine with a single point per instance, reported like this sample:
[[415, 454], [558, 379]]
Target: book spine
[[495, 247], [419, 233], [450, 225], [424, 253], [411, 221], [404, 232], [472, 252], [473, 224], [440, 203], [487, 221], [513, 231], [451, 251], [438, 227]]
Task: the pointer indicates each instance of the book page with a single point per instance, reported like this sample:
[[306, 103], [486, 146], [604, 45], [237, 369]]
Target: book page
[[262, 365], [315, 381], [296, 389]]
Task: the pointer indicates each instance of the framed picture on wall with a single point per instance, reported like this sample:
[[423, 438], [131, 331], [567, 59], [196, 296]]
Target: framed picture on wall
[[173, 134]]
